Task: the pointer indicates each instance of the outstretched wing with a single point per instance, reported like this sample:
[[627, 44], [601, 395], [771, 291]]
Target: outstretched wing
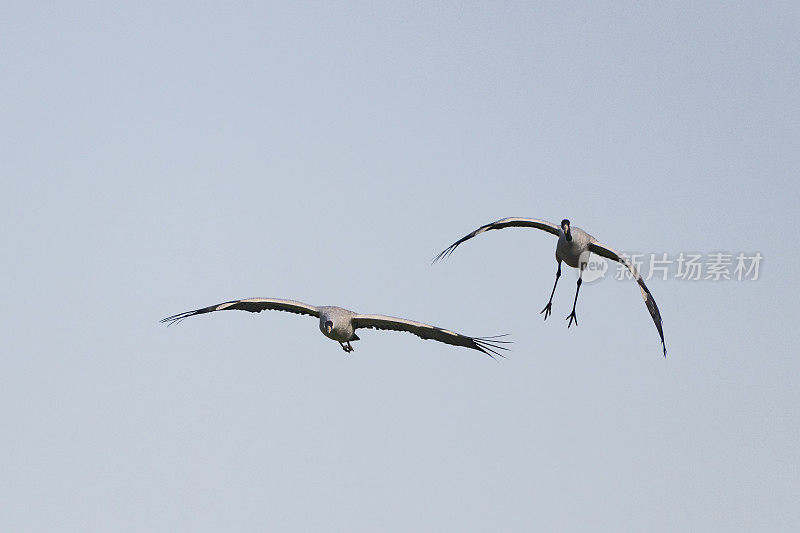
[[254, 305], [487, 345], [650, 302], [513, 222]]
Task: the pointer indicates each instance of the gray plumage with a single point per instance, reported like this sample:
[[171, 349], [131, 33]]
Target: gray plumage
[[341, 324], [573, 248]]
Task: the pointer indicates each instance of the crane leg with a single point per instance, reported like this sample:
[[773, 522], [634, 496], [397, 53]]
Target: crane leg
[[572, 316], [548, 308]]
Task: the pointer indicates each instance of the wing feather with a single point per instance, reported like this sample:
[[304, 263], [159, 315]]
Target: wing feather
[[650, 302], [512, 222], [487, 345], [254, 305]]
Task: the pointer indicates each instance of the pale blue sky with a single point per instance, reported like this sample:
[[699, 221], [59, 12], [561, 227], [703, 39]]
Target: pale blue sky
[[160, 158]]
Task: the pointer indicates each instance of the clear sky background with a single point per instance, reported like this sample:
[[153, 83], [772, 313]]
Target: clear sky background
[[161, 157]]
